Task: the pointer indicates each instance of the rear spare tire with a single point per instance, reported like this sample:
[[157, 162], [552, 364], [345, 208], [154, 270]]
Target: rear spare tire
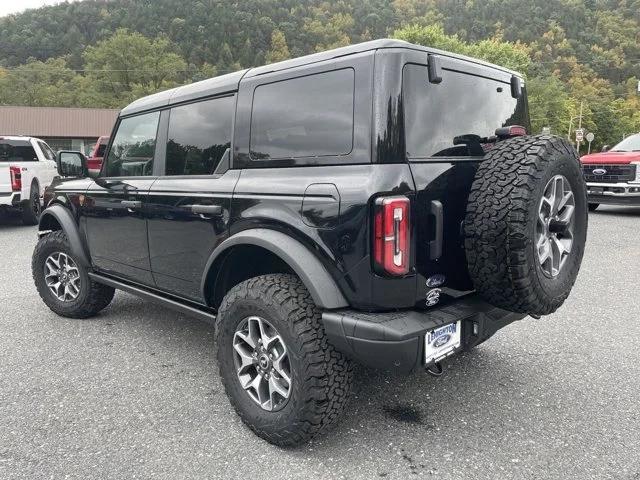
[[526, 224]]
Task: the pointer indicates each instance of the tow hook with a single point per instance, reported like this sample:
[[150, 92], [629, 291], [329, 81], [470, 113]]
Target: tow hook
[[436, 369]]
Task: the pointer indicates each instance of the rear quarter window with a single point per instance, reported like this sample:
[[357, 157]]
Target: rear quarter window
[[310, 116], [17, 151], [437, 116]]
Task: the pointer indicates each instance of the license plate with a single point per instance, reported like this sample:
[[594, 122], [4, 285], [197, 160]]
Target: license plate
[[441, 342]]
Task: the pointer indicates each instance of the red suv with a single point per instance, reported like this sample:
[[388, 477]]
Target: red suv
[[94, 162]]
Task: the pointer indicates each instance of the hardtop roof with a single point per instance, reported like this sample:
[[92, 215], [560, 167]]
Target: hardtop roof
[[230, 82]]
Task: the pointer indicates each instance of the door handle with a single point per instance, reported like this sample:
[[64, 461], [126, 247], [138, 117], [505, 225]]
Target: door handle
[[435, 245], [131, 203], [206, 209]]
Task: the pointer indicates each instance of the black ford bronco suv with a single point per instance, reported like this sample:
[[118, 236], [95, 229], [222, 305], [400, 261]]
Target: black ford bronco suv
[[379, 203]]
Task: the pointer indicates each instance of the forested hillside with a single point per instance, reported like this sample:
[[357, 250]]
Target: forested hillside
[[105, 53]]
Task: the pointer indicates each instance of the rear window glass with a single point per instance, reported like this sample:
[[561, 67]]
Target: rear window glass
[[451, 118], [17, 151], [308, 116], [199, 135]]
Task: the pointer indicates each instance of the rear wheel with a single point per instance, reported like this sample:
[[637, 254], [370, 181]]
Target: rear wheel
[[526, 224], [63, 283], [284, 379], [31, 208], [593, 207]]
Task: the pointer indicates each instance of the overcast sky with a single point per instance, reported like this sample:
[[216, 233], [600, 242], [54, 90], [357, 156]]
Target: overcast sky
[[14, 6]]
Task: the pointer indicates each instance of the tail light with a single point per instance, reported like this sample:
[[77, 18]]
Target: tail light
[[511, 131], [391, 236], [16, 178]]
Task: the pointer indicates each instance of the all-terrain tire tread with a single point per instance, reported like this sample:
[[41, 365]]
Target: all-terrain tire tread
[[497, 226], [328, 373]]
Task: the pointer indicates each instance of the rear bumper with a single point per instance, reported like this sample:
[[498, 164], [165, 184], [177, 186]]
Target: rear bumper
[[10, 199], [395, 340], [614, 193]]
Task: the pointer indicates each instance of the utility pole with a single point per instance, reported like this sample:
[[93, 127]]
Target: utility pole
[[579, 126]]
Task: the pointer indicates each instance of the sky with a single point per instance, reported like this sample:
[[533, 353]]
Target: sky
[[15, 6]]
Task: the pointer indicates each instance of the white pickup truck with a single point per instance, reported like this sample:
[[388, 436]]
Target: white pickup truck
[[27, 166]]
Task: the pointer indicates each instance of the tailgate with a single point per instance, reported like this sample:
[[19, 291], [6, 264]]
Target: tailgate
[[5, 178], [441, 201]]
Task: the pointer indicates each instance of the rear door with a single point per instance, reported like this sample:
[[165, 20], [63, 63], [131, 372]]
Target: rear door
[[188, 206], [114, 206], [444, 126]]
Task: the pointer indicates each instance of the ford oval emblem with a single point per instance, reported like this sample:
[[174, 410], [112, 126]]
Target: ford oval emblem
[[441, 340], [435, 280], [599, 171]]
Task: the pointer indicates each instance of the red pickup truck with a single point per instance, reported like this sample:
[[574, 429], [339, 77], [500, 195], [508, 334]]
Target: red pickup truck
[[94, 162], [613, 176]]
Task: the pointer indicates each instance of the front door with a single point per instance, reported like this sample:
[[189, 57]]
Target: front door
[[114, 207], [188, 207]]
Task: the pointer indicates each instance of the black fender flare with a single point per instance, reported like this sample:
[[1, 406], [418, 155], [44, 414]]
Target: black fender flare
[[65, 219], [314, 275]]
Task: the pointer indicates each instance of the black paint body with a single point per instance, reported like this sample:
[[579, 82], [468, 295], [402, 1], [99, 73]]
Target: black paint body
[[323, 202]]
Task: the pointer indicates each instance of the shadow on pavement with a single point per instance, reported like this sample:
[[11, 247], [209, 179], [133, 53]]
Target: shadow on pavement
[[612, 210]]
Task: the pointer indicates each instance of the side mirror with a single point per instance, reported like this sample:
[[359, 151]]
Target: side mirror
[[605, 148], [71, 164]]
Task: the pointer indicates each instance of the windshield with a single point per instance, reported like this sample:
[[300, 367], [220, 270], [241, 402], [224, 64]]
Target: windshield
[[629, 144], [17, 151]]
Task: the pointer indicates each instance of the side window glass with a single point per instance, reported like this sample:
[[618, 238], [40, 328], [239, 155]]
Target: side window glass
[[309, 116], [199, 135], [46, 151], [131, 153]]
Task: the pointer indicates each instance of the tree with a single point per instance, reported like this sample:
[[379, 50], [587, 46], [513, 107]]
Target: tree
[[129, 61], [40, 84], [279, 50]]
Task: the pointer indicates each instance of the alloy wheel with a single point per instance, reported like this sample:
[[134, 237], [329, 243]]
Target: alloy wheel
[[262, 363], [62, 276], [555, 225]]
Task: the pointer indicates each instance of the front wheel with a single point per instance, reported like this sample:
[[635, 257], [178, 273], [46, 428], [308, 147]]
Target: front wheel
[[63, 283], [284, 379]]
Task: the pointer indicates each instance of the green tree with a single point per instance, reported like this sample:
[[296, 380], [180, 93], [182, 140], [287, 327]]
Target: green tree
[[41, 84], [129, 62], [279, 50]]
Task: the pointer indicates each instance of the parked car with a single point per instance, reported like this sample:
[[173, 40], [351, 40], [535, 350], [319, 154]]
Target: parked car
[[27, 166], [94, 161], [379, 203], [613, 176]]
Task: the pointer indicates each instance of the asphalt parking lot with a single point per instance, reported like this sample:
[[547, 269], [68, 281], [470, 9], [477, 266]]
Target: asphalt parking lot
[[134, 393]]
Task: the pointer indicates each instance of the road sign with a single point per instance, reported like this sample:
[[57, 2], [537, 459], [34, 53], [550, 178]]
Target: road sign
[[579, 134], [590, 136]]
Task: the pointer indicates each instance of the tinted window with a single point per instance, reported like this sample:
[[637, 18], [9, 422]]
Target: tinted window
[[131, 153], [46, 151], [437, 116], [17, 151], [309, 116], [199, 135]]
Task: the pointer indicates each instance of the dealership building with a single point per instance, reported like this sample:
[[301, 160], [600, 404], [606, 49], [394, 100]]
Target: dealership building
[[62, 128]]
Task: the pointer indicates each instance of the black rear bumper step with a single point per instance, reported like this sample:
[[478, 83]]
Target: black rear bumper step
[[155, 297], [395, 340]]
